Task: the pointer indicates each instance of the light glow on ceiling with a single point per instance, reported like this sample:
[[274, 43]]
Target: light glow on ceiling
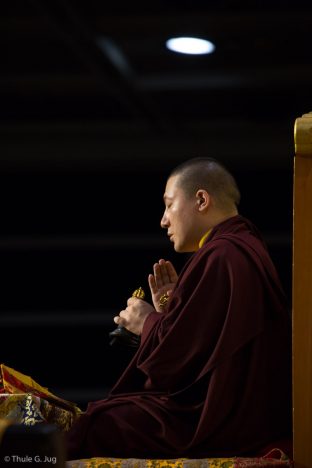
[[190, 45]]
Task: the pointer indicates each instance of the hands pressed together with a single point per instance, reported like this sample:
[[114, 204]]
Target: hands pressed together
[[137, 310]]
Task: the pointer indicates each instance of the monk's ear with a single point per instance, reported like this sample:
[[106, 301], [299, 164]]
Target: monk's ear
[[203, 200]]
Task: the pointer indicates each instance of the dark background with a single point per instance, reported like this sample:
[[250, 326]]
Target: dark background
[[94, 113]]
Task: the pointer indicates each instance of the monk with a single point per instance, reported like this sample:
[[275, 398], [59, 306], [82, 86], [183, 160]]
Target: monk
[[212, 375]]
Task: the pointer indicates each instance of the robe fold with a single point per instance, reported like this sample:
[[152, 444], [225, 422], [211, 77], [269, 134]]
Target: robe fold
[[212, 376]]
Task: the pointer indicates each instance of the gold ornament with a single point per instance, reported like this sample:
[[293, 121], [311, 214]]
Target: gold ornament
[[163, 300], [139, 293]]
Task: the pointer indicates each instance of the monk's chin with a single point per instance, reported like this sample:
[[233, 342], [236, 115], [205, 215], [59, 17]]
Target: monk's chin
[[183, 249]]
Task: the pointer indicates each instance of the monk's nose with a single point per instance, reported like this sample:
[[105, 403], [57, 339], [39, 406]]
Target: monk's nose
[[164, 222]]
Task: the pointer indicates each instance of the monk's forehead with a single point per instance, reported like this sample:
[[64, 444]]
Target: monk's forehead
[[172, 187]]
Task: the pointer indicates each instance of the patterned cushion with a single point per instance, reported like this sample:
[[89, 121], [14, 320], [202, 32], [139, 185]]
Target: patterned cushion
[[275, 458]]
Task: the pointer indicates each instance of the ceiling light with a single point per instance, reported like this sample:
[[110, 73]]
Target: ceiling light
[[190, 45]]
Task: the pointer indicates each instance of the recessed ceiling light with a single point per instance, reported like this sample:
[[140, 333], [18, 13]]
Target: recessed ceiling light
[[190, 45]]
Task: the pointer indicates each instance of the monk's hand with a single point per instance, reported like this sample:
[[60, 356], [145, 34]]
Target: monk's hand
[[162, 282], [134, 316]]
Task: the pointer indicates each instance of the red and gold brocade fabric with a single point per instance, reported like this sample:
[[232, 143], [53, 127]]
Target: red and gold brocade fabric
[[24, 401]]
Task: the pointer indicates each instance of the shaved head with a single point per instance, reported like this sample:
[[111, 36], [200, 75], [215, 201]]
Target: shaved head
[[208, 174]]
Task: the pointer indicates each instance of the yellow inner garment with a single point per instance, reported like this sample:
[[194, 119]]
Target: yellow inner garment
[[203, 239]]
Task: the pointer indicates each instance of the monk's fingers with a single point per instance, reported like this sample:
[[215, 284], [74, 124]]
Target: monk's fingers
[[164, 272], [173, 276], [161, 274], [117, 320], [120, 320], [131, 300], [152, 284], [158, 276]]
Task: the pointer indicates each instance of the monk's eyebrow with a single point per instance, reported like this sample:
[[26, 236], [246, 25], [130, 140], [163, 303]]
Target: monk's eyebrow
[[167, 198]]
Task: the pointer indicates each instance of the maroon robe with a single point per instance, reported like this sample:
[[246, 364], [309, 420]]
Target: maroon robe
[[212, 376]]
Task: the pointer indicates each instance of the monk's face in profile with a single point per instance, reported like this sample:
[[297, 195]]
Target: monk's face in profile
[[180, 217]]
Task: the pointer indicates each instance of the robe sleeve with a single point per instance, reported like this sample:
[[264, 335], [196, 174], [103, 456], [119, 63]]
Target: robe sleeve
[[149, 323]]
